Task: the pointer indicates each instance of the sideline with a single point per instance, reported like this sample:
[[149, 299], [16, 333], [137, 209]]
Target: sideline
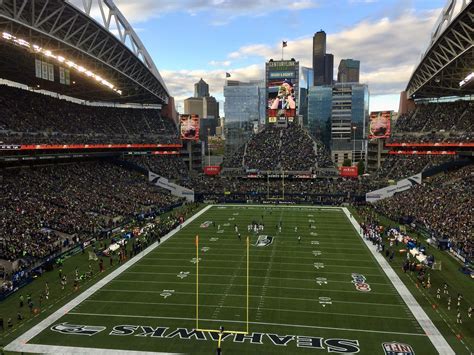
[[20, 344], [436, 338]]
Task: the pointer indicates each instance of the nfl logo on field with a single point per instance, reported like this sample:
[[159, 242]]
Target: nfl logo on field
[[394, 348]]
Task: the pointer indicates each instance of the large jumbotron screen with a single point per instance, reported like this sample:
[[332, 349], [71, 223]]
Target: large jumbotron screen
[[189, 127], [282, 90], [380, 124]]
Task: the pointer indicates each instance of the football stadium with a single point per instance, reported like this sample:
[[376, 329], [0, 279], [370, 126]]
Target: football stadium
[[282, 216]]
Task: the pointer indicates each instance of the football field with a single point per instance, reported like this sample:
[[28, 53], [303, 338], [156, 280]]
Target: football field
[[324, 293]]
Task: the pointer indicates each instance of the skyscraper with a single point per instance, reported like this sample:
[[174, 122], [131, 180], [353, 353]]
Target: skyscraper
[[349, 116], [323, 63], [201, 89], [243, 107], [202, 104], [348, 71]]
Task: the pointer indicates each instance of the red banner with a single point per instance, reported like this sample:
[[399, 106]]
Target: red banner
[[212, 170], [166, 152], [444, 144], [94, 146], [348, 171], [421, 152]]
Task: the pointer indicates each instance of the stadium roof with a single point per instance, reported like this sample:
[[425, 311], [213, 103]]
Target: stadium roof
[[120, 63], [449, 58]]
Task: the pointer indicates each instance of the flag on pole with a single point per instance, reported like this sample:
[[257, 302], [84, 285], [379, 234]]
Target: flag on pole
[[284, 44], [227, 75], [197, 240]]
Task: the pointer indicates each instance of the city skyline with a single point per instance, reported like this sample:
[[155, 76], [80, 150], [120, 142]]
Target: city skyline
[[211, 37]]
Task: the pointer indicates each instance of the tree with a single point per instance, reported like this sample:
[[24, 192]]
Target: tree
[[347, 162], [361, 167]]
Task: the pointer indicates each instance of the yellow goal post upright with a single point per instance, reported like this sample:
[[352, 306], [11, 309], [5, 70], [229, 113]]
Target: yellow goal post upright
[[247, 297]]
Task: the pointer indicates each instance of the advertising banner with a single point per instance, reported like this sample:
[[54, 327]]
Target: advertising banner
[[422, 152], [174, 189], [348, 171], [380, 124], [389, 191], [212, 170], [189, 127]]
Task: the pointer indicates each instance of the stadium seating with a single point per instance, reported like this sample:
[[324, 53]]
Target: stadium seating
[[31, 118], [44, 205], [396, 167], [169, 166], [436, 122], [442, 205], [276, 149]]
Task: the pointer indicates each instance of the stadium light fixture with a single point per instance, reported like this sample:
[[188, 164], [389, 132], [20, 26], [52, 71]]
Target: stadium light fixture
[[46, 52], [466, 80]]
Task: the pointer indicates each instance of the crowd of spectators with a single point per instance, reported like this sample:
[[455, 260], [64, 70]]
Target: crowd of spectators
[[442, 205], [171, 167], [276, 148], [44, 204], [234, 160], [396, 167], [449, 116], [32, 118], [277, 187], [432, 137], [263, 150]]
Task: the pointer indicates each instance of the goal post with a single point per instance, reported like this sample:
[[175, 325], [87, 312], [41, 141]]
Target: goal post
[[247, 294]]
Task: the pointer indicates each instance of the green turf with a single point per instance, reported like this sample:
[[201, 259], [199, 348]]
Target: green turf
[[459, 336], [284, 294]]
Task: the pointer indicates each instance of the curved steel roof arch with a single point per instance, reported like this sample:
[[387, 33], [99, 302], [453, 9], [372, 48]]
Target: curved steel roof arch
[[452, 39], [64, 26], [112, 15]]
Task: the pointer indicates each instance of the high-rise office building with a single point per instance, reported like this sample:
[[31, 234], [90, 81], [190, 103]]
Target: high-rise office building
[[323, 63], [201, 104], [349, 117], [348, 71], [306, 81], [338, 115], [319, 112], [201, 89], [243, 110], [194, 106]]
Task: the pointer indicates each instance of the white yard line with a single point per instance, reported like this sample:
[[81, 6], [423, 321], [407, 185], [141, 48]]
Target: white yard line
[[313, 259], [439, 342], [244, 322], [253, 296], [252, 285], [259, 277], [20, 343], [240, 307], [178, 282]]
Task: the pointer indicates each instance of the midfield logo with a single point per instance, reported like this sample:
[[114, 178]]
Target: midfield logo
[[264, 241], [394, 348], [75, 329]]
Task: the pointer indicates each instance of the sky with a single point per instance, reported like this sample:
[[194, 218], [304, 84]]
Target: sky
[[193, 39]]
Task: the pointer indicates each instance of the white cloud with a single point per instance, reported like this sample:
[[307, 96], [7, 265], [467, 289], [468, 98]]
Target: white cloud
[[224, 63], [302, 5], [181, 83], [144, 10], [386, 47]]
